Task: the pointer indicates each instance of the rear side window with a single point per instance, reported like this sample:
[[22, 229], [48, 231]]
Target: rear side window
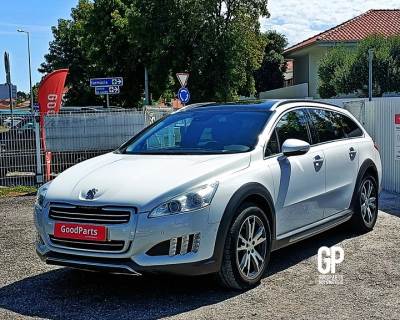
[[327, 125], [350, 128], [293, 125]]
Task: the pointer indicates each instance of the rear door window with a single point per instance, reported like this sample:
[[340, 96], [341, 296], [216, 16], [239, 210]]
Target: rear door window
[[327, 126]]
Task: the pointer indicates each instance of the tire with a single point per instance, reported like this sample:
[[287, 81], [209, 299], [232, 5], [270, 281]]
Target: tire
[[239, 269], [365, 205]]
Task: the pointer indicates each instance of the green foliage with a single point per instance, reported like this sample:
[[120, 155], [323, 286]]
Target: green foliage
[[344, 70], [217, 41], [270, 75]]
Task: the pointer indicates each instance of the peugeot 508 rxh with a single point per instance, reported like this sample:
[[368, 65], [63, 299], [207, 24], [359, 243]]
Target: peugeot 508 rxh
[[212, 189]]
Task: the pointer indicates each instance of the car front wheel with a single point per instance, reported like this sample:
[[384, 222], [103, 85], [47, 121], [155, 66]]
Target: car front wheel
[[247, 249]]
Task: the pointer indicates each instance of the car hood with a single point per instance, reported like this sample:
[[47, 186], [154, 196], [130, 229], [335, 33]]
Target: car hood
[[143, 181]]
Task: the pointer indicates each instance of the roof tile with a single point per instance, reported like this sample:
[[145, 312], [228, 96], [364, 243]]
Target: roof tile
[[385, 22]]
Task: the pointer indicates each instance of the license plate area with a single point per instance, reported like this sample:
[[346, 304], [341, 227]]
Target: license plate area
[[78, 231]]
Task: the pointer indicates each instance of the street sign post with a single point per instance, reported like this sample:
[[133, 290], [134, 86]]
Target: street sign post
[[107, 86], [107, 90], [184, 95], [113, 81]]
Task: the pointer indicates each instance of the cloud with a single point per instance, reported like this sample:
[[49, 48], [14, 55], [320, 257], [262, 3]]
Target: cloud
[[299, 20]]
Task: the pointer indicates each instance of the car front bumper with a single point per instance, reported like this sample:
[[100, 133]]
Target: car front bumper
[[140, 235]]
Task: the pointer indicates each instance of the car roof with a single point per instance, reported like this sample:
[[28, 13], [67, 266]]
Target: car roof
[[253, 105]]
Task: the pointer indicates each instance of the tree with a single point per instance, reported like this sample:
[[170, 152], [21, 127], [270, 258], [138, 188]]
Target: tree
[[271, 73], [218, 42], [344, 70], [21, 96]]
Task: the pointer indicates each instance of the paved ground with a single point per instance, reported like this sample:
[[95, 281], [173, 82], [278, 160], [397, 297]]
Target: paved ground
[[371, 273]]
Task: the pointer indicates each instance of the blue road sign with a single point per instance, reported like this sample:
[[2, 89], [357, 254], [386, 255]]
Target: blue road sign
[[106, 90], [115, 81], [184, 95]]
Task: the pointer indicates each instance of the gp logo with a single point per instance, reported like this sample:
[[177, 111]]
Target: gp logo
[[328, 258]]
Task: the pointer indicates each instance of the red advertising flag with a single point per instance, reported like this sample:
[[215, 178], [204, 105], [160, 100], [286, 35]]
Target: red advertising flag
[[50, 94], [51, 90], [397, 118]]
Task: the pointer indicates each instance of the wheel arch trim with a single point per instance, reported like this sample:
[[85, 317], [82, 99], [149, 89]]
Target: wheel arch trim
[[368, 164], [247, 191]]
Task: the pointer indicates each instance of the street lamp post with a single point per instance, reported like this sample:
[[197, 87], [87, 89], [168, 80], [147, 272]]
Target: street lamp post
[[29, 62], [39, 172]]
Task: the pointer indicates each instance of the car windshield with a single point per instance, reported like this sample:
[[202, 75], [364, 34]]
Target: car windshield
[[201, 131]]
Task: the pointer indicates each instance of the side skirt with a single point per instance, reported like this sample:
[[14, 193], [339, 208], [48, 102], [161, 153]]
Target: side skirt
[[311, 230]]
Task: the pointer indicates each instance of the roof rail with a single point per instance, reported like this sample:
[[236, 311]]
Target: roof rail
[[286, 101]]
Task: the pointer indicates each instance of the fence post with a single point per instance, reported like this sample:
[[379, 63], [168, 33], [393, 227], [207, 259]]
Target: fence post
[[39, 172]]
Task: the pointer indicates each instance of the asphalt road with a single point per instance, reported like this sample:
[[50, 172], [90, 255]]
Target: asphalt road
[[290, 290]]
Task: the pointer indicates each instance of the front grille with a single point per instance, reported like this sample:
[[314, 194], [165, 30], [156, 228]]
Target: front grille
[[97, 215], [109, 246]]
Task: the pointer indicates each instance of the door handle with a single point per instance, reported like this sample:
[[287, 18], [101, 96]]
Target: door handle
[[318, 161], [352, 153]]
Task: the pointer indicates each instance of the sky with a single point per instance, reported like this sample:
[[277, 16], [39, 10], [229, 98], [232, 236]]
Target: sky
[[297, 20], [37, 17]]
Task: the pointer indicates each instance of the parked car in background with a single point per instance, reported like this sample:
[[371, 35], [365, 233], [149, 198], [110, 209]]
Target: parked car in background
[[212, 189], [17, 144]]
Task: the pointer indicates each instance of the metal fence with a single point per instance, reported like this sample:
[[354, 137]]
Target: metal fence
[[17, 149], [69, 138]]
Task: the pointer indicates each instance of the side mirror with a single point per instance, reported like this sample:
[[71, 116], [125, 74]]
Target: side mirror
[[295, 147]]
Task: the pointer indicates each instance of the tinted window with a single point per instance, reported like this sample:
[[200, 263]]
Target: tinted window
[[272, 146], [350, 128], [293, 125], [326, 124], [201, 131]]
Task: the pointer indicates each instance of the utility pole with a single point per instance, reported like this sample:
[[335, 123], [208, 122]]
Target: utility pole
[[370, 58], [146, 87]]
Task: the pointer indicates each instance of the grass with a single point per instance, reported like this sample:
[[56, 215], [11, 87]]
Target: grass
[[16, 191]]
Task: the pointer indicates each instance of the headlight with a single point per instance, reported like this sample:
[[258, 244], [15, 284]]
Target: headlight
[[41, 194], [192, 200]]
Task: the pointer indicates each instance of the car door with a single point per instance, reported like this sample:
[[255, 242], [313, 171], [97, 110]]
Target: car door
[[341, 158], [299, 180]]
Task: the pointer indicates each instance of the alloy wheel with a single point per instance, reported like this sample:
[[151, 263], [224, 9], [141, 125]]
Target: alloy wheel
[[368, 202], [251, 247]]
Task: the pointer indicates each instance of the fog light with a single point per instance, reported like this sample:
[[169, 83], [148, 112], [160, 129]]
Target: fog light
[[196, 243], [172, 246]]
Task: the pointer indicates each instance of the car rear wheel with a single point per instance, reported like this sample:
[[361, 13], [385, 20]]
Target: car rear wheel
[[247, 249], [366, 205]]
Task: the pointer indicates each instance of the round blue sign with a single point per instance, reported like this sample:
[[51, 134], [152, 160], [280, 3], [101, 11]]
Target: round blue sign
[[184, 95]]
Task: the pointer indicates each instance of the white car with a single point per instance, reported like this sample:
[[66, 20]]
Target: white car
[[212, 189]]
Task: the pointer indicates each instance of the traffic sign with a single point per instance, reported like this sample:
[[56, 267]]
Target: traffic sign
[[114, 81], [184, 95], [106, 90], [183, 78]]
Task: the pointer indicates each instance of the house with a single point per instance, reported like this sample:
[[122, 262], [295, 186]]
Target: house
[[307, 54]]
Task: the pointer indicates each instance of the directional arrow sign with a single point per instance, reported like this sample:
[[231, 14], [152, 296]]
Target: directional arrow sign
[[183, 79], [107, 90], [115, 81], [184, 95]]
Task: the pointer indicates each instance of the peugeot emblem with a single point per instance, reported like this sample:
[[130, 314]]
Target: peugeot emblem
[[91, 193]]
